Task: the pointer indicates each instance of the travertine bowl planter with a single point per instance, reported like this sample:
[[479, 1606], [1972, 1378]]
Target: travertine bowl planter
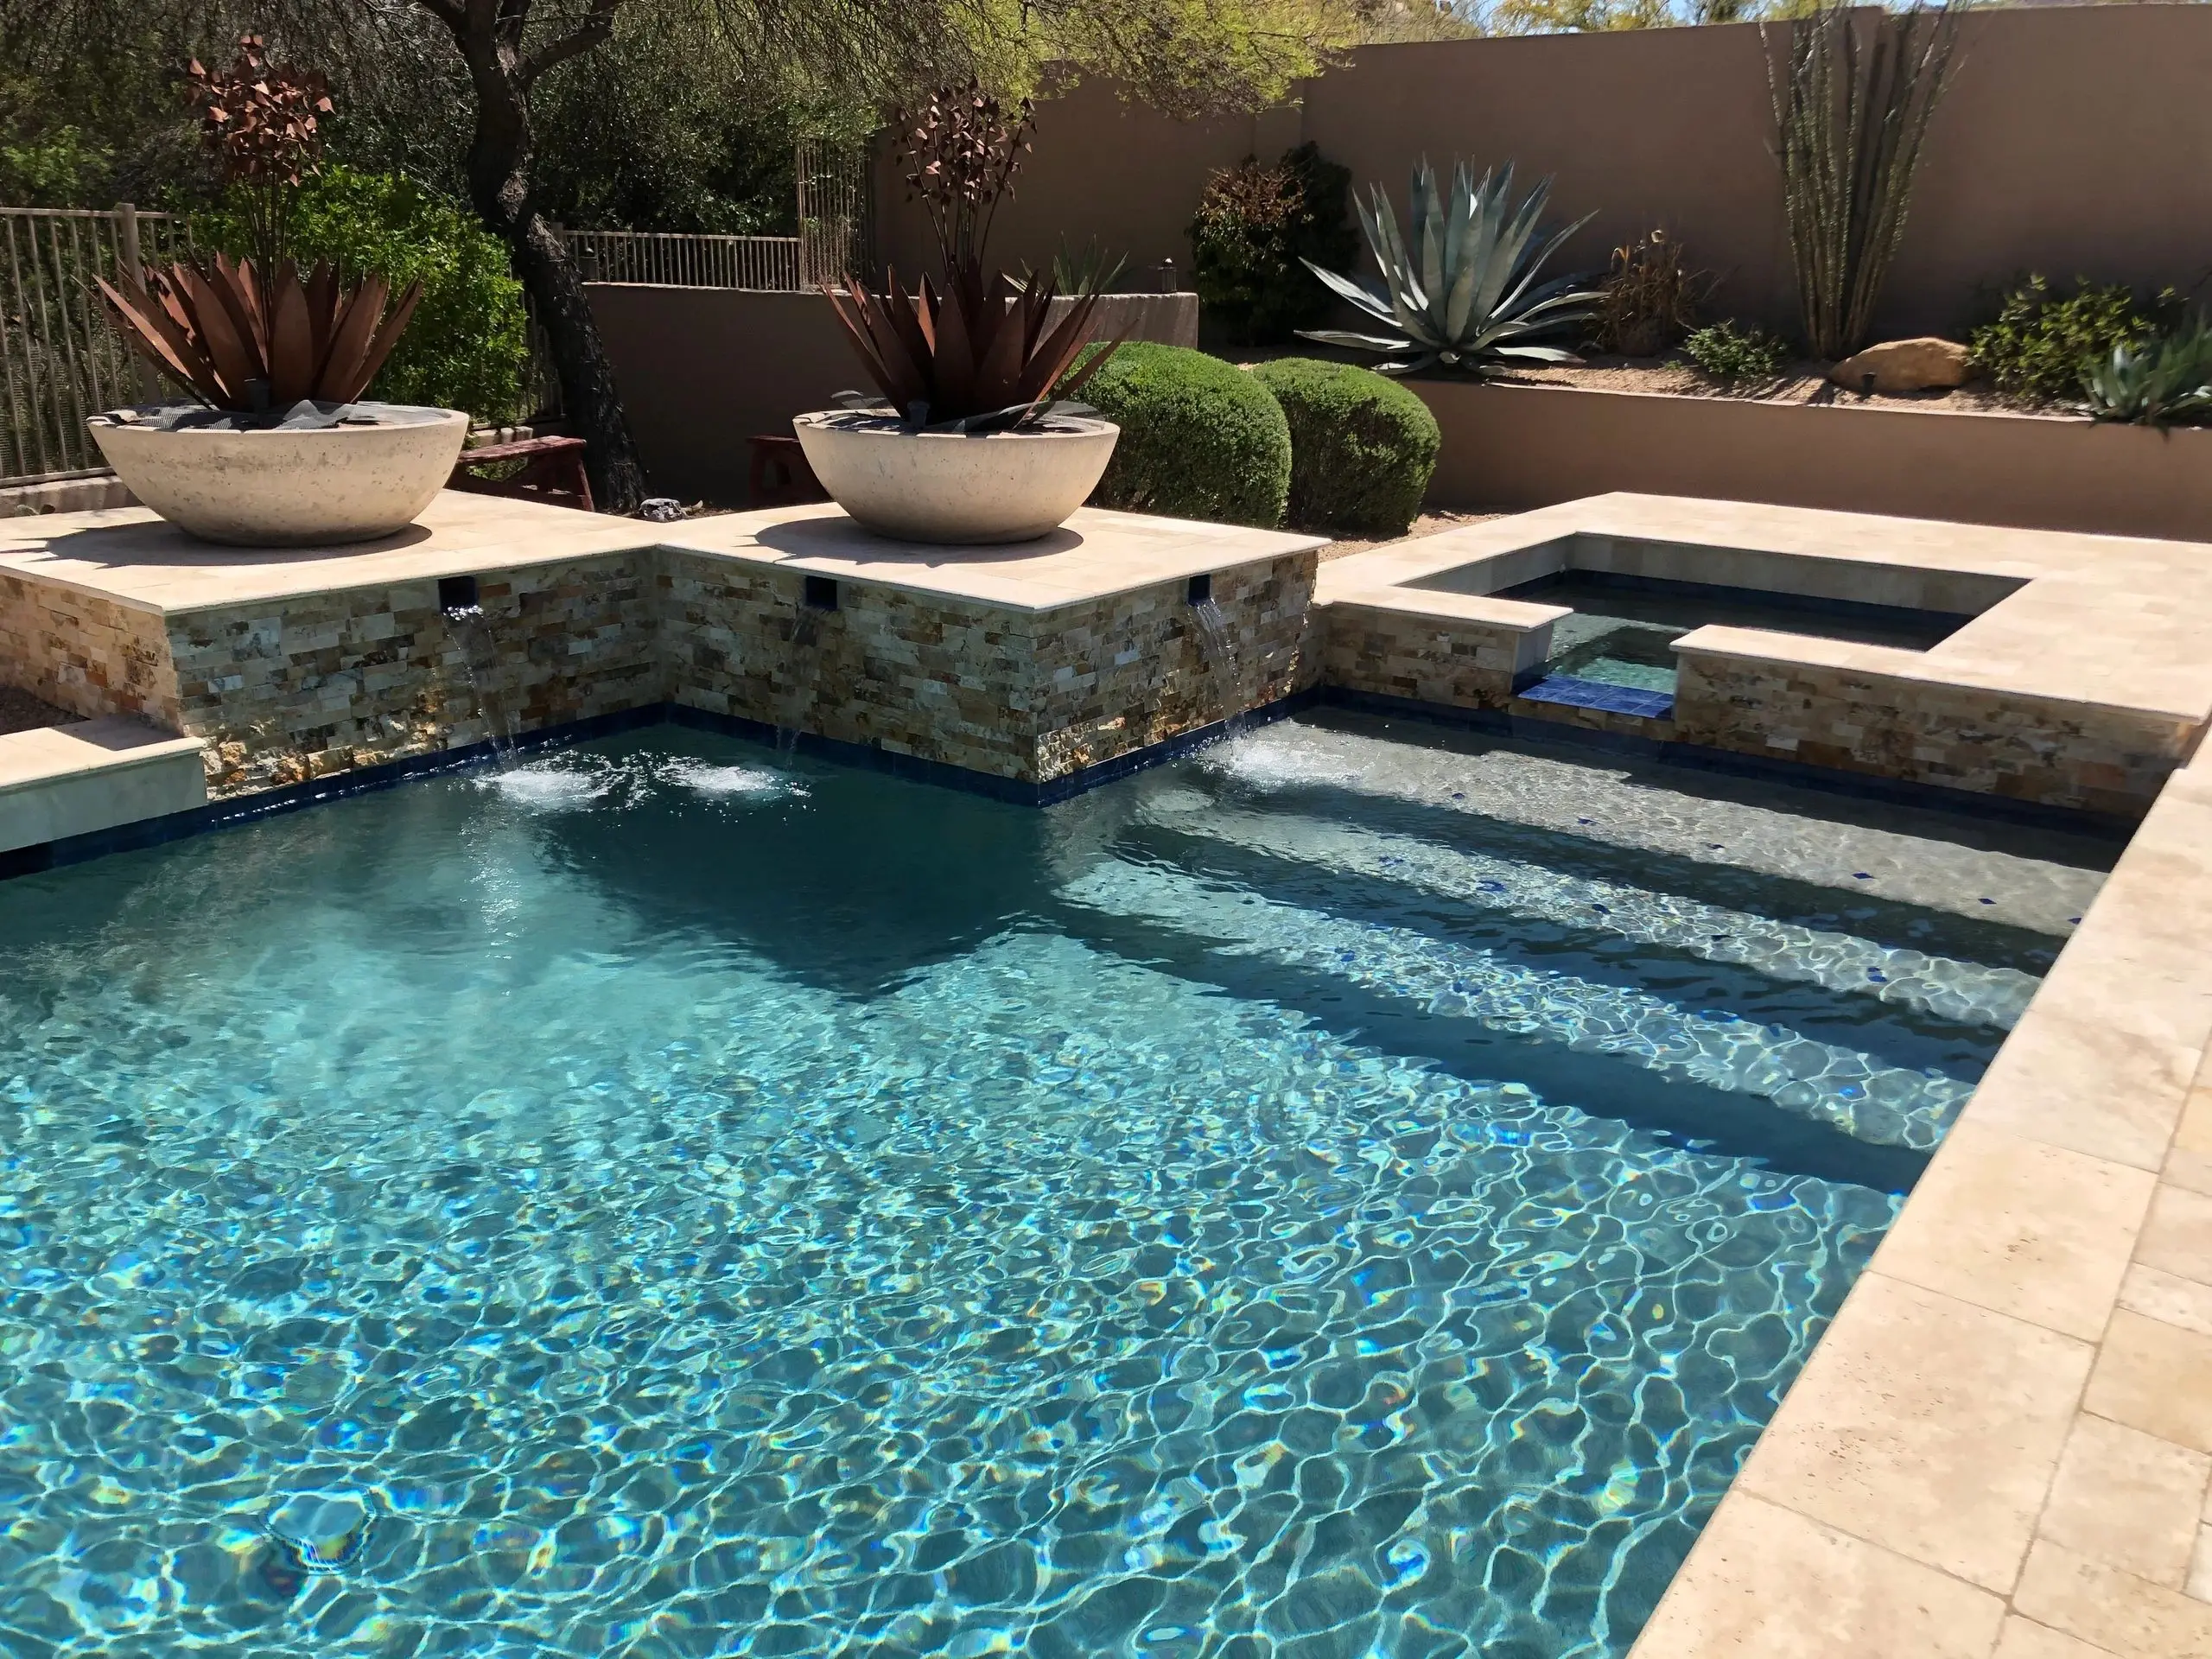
[[289, 486], [950, 487]]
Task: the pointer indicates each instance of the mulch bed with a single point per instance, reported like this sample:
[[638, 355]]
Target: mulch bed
[[22, 712]]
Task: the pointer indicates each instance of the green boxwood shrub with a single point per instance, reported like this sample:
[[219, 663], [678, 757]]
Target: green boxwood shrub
[[1200, 438], [468, 346], [1361, 446]]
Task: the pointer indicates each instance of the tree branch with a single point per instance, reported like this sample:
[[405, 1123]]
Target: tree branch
[[447, 12], [594, 29]]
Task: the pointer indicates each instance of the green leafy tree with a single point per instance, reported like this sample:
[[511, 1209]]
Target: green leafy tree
[[468, 346]]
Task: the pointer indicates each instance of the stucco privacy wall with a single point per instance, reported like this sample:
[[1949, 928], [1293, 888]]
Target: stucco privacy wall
[[704, 369], [2071, 143]]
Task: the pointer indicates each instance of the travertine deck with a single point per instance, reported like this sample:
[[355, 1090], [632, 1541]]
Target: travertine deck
[[128, 555], [2003, 1445]]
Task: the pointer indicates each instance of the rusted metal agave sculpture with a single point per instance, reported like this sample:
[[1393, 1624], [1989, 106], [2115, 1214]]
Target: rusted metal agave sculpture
[[253, 335], [980, 353]]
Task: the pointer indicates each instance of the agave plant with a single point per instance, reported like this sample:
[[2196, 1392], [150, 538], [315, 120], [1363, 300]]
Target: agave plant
[[2169, 379], [252, 334], [1465, 291], [976, 355]]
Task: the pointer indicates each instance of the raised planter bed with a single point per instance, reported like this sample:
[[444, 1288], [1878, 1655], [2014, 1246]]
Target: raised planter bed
[[1518, 447]]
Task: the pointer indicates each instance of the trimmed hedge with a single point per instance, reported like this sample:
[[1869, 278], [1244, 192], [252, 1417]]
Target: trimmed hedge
[[1200, 438], [1362, 447]]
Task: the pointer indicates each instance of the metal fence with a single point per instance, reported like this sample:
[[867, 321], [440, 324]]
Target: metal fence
[[60, 360], [685, 261], [835, 212]]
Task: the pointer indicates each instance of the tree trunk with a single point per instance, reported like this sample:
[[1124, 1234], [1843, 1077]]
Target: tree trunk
[[500, 155]]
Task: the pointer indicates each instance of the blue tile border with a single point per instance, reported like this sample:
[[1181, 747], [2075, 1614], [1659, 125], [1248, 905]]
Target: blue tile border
[[1575, 692], [1691, 757], [292, 797]]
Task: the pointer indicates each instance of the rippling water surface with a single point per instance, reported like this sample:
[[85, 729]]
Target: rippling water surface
[[656, 1202]]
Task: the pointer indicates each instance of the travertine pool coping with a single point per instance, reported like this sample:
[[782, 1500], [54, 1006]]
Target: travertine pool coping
[[59, 781], [2003, 1445], [127, 555], [2109, 621]]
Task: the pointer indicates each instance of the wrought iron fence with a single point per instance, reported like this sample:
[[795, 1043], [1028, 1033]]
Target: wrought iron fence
[[60, 359], [680, 260], [837, 220]]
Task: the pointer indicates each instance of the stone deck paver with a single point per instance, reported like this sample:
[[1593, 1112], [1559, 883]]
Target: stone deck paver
[[2002, 1448], [128, 555]]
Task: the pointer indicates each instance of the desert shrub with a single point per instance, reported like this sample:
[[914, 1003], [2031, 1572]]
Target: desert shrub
[[468, 346], [1254, 225], [1361, 446], [1650, 297], [1200, 438], [1732, 355], [2043, 343]]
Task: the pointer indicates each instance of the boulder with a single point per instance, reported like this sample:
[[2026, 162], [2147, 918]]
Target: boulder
[[1922, 365]]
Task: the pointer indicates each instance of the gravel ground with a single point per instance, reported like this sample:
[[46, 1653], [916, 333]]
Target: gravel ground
[[22, 712]]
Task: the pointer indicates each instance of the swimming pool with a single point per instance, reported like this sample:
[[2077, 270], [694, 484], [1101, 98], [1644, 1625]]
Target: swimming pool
[[1335, 1195]]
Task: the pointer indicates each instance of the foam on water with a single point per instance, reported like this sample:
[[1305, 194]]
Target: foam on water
[[627, 1214]]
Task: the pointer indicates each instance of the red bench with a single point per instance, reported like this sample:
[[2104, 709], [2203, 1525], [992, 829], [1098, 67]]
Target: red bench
[[552, 472]]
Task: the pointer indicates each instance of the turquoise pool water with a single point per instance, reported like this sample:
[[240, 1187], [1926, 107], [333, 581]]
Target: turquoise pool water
[[1327, 1198]]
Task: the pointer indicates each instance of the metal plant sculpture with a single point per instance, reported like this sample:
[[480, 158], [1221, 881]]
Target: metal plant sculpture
[[978, 355], [1850, 114], [1464, 292], [252, 335]]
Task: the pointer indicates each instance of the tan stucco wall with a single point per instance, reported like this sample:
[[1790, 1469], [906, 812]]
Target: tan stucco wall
[[700, 370], [2074, 141]]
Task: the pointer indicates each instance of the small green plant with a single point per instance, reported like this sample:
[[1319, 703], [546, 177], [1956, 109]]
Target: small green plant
[[1461, 287], [2164, 380], [467, 345], [2044, 343], [1254, 226], [1200, 438], [1732, 355], [1362, 447]]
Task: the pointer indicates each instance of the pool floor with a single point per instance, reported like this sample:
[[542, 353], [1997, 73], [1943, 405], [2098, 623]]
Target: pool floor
[[1313, 1199]]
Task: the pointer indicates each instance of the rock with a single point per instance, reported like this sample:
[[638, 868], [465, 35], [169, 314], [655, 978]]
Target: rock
[[1903, 365]]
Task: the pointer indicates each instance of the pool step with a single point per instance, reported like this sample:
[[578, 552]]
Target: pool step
[[1850, 1091], [1949, 989]]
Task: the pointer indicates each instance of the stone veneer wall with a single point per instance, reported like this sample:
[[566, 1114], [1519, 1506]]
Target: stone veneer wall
[[1124, 673], [1030, 696], [86, 654], [284, 691], [1454, 662], [2039, 749], [920, 677]]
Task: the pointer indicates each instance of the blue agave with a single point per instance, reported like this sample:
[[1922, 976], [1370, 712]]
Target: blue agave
[[1465, 291]]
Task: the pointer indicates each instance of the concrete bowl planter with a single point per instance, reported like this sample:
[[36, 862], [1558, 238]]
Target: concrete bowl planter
[[286, 484], [952, 487]]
